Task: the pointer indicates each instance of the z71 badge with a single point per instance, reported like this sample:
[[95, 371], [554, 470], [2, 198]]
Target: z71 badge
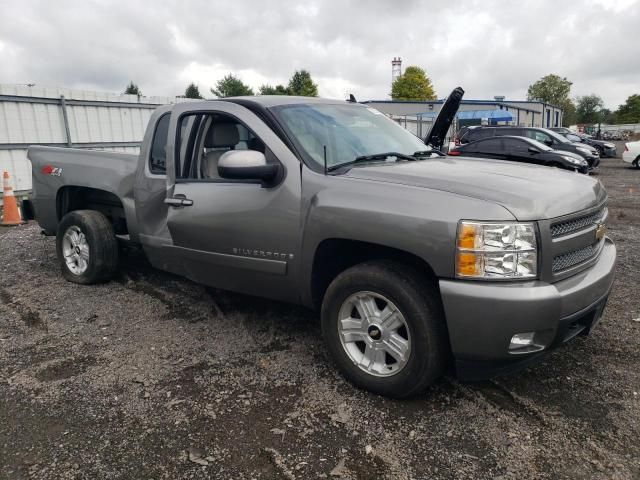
[[53, 171]]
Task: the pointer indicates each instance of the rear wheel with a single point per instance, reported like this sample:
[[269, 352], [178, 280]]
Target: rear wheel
[[87, 247], [385, 333]]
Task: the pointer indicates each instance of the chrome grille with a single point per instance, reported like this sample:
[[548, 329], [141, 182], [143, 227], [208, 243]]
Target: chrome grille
[[575, 257], [569, 226]]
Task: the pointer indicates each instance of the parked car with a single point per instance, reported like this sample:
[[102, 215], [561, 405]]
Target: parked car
[[521, 149], [412, 257], [605, 149], [631, 153], [543, 135]]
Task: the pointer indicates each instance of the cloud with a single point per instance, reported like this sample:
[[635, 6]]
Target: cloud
[[489, 47]]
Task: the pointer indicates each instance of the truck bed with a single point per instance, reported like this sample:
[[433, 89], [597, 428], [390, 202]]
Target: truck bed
[[54, 169]]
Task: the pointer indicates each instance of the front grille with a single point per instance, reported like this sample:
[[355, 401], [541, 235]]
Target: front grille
[[569, 226], [575, 257]]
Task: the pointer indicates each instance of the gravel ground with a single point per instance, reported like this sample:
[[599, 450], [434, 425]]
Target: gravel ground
[[152, 377]]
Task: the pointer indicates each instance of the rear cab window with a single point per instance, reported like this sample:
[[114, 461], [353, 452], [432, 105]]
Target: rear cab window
[[158, 156]]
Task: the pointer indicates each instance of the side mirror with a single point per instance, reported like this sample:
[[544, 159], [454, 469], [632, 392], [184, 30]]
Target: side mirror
[[247, 165], [533, 150], [548, 142]]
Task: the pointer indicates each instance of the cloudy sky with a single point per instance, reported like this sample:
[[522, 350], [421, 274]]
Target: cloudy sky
[[488, 47]]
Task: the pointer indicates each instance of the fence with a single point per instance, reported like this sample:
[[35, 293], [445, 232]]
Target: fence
[[67, 118]]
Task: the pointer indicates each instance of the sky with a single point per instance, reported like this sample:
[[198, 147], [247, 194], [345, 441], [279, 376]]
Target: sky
[[488, 47]]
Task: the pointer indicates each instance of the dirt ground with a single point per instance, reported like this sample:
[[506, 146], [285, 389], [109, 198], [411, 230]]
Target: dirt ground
[[153, 377]]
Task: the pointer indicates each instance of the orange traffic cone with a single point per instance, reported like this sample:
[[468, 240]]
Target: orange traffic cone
[[11, 213]]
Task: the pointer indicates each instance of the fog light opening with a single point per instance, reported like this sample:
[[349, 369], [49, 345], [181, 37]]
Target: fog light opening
[[524, 343]]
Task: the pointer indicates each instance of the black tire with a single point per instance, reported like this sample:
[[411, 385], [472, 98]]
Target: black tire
[[637, 162], [422, 310], [102, 243]]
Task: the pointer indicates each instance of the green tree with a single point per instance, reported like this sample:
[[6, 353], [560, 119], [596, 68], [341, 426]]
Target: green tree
[[302, 84], [231, 86], [269, 90], [588, 109], [192, 91], [132, 89], [629, 112], [551, 89], [413, 84], [568, 113]]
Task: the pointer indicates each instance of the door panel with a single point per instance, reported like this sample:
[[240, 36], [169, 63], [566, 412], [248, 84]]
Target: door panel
[[237, 235]]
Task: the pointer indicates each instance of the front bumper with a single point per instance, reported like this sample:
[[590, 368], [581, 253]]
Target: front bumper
[[593, 161], [482, 317]]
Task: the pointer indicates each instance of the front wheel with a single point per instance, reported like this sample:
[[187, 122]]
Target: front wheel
[[637, 162], [384, 329], [87, 247]]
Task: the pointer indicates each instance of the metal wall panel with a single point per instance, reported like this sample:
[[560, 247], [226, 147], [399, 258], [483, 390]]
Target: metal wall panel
[[31, 115]]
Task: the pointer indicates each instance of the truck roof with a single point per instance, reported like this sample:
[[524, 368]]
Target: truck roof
[[267, 101]]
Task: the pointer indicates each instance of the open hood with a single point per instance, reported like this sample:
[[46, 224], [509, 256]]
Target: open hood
[[438, 132]]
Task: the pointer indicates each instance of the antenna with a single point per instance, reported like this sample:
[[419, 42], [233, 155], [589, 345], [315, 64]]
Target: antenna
[[324, 147]]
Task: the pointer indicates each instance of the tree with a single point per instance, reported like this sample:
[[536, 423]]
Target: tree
[[588, 109], [413, 84], [302, 84], [269, 90], [231, 86], [133, 89], [192, 91], [629, 112], [551, 89], [568, 113]]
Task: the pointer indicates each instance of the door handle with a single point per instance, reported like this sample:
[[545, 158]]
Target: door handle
[[178, 201]]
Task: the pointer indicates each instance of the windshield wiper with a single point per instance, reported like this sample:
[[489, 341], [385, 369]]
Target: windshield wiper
[[370, 158], [428, 153]]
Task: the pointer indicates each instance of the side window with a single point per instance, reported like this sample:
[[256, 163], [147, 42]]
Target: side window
[[515, 146], [492, 145], [516, 132], [479, 133], [205, 138], [539, 136], [158, 158]]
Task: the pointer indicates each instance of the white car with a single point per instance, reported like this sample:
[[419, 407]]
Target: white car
[[631, 153]]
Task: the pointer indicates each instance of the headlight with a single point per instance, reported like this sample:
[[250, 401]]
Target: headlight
[[609, 145], [585, 150], [573, 160], [496, 250]]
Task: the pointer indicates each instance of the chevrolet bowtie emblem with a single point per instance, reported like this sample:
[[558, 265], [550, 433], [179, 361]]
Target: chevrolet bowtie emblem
[[601, 230]]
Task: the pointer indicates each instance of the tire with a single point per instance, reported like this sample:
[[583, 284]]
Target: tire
[[87, 238], [424, 329], [637, 162]]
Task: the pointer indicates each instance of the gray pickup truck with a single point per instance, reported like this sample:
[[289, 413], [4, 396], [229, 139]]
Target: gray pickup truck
[[416, 261]]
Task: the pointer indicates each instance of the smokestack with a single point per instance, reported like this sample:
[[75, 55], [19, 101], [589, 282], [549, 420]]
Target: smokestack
[[396, 68]]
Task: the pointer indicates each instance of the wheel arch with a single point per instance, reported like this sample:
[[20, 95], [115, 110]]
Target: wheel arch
[[334, 255], [70, 198]]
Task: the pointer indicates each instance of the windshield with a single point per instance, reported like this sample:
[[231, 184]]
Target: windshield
[[557, 136], [347, 132], [540, 145]]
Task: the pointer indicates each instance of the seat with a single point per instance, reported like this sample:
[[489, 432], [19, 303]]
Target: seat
[[220, 138]]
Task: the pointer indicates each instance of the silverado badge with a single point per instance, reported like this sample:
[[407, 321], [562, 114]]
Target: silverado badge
[[600, 231]]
